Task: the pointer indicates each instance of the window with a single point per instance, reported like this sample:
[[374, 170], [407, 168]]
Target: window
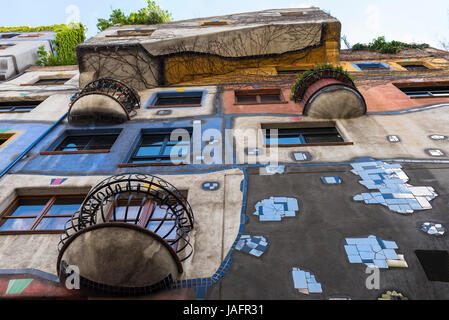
[[87, 142], [51, 81], [156, 148], [426, 92], [32, 35], [147, 214], [291, 71], [265, 96], [39, 213], [371, 66], [6, 137], [177, 99], [18, 106], [415, 67], [94, 141], [8, 35], [215, 22], [308, 136]]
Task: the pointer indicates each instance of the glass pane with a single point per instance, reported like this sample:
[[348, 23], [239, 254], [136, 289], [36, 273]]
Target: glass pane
[[247, 99], [16, 224], [102, 142], [6, 109], [149, 151], [181, 151], [270, 98], [167, 227], [65, 206], [132, 213], [74, 143], [53, 223], [29, 208], [159, 212], [320, 138], [167, 101], [154, 139], [285, 139]]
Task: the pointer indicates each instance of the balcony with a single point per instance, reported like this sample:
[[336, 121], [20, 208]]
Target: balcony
[[129, 237], [329, 93], [103, 101]]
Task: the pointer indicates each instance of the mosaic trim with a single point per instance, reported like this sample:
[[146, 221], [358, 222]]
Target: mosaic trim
[[331, 180], [253, 245], [393, 139], [392, 295], [58, 181], [438, 137], [433, 229], [374, 252], [394, 192], [301, 156], [435, 152], [276, 208], [211, 186], [305, 282]]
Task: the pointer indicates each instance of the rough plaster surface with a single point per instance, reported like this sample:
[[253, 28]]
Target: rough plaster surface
[[217, 219], [95, 106], [368, 133]]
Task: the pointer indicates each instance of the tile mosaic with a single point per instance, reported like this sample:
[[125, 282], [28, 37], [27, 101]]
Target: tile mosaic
[[331, 180], [432, 228], [276, 208], [395, 193], [373, 252], [254, 245], [301, 156], [305, 282], [393, 139], [211, 186]]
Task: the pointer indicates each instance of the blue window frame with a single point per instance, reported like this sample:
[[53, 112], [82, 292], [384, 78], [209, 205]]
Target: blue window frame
[[18, 106], [177, 99], [85, 140], [156, 148], [371, 66], [298, 136]]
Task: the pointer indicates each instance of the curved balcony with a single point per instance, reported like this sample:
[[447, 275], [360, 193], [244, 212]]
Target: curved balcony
[[103, 101], [129, 237], [329, 94]]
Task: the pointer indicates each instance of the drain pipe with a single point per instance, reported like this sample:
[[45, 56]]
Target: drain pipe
[[31, 146]]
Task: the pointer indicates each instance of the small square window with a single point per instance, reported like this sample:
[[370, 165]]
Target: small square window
[[87, 142], [18, 106], [372, 66], [415, 67], [177, 99], [264, 96], [435, 264], [40, 213], [51, 81], [8, 35], [290, 137], [425, 91]]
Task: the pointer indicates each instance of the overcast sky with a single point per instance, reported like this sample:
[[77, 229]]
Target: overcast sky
[[405, 20]]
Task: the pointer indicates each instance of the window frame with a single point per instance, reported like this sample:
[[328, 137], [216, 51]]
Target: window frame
[[18, 104], [175, 94], [160, 157], [9, 136], [51, 199], [423, 94], [304, 126], [52, 150], [359, 66], [258, 93]]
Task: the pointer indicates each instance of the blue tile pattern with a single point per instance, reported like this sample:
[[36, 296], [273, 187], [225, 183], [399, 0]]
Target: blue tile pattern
[[372, 251], [434, 229], [331, 180], [254, 245], [391, 182], [301, 156], [211, 186], [275, 169], [305, 282], [276, 208]]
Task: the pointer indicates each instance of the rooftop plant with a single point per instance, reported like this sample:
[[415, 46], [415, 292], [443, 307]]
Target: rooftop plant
[[382, 46], [318, 67], [151, 14]]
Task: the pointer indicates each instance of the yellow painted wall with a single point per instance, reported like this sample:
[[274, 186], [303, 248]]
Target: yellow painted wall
[[210, 69]]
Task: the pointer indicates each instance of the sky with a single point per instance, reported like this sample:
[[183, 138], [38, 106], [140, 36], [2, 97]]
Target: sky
[[404, 20]]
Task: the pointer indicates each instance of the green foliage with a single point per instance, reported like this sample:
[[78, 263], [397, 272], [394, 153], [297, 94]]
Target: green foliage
[[152, 14], [54, 28], [67, 38], [382, 46], [318, 67]]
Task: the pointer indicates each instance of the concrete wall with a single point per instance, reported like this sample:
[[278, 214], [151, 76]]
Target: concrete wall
[[217, 219]]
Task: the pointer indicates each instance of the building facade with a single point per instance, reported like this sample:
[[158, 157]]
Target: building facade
[[191, 160]]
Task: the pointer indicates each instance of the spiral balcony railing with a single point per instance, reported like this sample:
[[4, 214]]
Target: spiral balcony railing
[[317, 75], [126, 188], [129, 236], [124, 95]]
